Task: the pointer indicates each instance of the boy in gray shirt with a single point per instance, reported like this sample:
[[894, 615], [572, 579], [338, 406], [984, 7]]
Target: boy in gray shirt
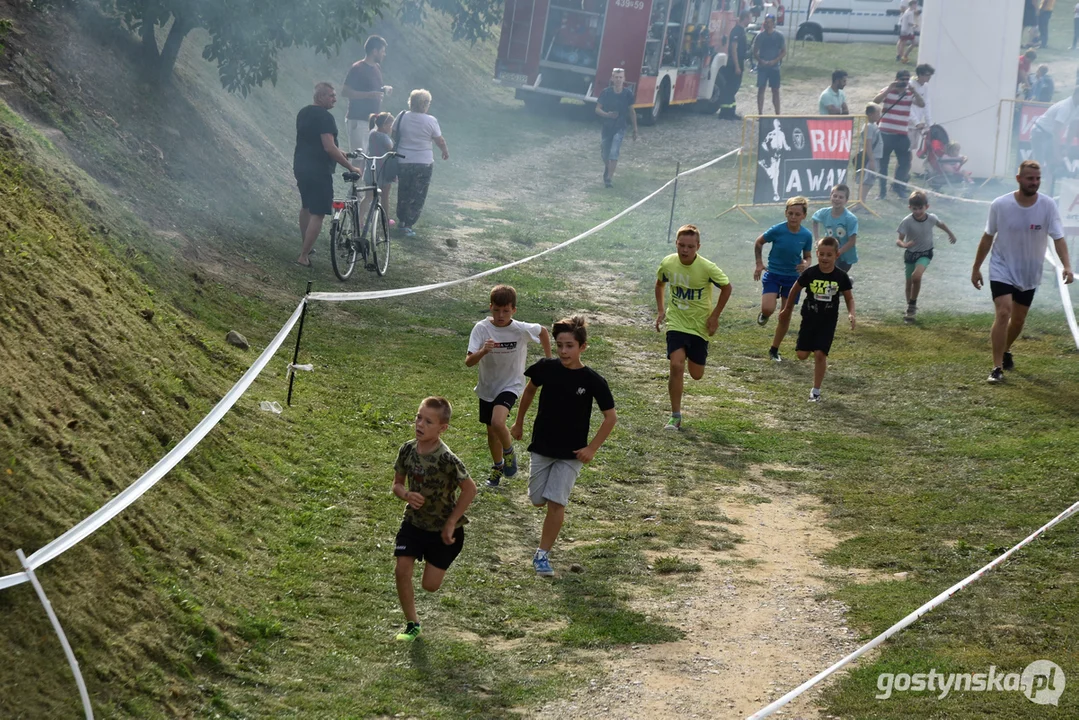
[[916, 237]]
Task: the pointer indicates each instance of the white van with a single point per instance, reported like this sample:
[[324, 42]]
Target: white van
[[852, 21]]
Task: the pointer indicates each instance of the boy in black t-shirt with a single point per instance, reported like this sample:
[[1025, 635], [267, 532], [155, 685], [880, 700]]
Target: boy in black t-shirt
[[560, 446], [823, 283]]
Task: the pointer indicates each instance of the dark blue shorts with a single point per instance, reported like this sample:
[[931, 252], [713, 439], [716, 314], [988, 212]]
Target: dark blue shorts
[[316, 192], [695, 346], [505, 398], [768, 76], [779, 285], [815, 334], [427, 545]]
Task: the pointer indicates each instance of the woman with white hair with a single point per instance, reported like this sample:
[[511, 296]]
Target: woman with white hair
[[414, 130]]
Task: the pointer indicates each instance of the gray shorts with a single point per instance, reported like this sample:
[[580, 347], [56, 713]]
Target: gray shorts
[[551, 479]]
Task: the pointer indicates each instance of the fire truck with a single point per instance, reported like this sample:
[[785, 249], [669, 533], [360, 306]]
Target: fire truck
[[671, 50]]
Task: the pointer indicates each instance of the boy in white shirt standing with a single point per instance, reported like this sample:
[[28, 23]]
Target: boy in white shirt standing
[[499, 344]]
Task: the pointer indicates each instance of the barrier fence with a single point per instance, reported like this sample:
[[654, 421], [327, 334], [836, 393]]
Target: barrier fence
[[151, 477]]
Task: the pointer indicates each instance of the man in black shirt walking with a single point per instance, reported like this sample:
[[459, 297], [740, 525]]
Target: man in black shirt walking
[[731, 73], [313, 163], [615, 106]]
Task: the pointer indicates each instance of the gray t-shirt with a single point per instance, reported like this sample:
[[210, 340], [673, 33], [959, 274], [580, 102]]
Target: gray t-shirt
[[1022, 235], [919, 232], [769, 45]]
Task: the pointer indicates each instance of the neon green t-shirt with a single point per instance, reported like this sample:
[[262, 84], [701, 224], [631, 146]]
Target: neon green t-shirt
[[689, 298]]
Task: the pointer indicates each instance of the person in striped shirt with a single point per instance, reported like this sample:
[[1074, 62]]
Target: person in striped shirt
[[896, 101]]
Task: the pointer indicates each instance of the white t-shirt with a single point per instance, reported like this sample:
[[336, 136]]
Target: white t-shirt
[[921, 115], [1022, 235], [502, 369], [906, 22], [417, 132], [1062, 114]]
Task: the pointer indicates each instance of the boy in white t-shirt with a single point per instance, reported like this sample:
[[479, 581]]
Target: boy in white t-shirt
[[499, 344]]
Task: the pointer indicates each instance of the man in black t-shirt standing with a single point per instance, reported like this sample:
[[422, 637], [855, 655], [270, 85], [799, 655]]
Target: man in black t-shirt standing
[[365, 91], [737, 52], [615, 106], [313, 162]]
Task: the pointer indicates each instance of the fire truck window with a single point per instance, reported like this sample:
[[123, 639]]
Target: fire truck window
[[573, 33], [653, 52], [696, 46]]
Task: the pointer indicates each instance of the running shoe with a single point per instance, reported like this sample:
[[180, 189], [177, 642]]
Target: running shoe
[[774, 354], [410, 633], [762, 319], [674, 423], [814, 396], [497, 471], [542, 564], [996, 376], [408, 232], [1009, 364], [509, 462], [912, 310]]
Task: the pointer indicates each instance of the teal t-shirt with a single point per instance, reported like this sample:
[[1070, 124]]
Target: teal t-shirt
[[841, 228], [787, 249]]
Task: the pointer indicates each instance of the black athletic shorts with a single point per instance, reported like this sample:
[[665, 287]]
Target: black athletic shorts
[[427, 545], [506, 399], [696, 347], [815, 335], [1019, 297], [316, 193]]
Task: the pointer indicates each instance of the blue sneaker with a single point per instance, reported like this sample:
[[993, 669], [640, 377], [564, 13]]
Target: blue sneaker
[[542, 564], [509, 460]]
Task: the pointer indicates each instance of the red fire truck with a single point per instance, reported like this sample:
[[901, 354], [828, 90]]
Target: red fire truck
[[672, 50]]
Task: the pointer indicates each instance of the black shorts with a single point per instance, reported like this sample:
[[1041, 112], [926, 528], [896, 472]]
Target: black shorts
[[427, 545], [815, 335], [506, 399], [695, 346], [316, 193], [1019, 297]]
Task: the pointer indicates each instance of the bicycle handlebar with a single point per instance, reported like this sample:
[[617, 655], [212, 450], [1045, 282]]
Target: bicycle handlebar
[[360, 154]]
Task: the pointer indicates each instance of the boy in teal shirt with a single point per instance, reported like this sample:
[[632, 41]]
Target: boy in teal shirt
[[692, 319], [840, 223]]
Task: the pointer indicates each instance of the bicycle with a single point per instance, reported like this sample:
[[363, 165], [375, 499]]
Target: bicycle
[[347, 241]]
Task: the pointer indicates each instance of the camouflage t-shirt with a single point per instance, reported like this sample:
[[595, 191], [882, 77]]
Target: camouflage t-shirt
[[436, 476]]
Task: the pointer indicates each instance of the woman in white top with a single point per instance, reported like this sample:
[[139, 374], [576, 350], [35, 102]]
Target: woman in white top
[[415, 130]]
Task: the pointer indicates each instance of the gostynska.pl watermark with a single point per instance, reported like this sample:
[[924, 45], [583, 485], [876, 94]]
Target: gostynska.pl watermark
[[1042, 682]]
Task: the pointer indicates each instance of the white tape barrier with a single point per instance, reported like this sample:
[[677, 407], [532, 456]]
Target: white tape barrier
[[397, 292], [136, 490], [909, 619], [927, 191]]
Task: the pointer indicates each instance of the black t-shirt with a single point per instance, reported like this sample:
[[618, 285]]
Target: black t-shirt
[[310, 158], [363, 77], [823, 291], [565, 407], [621, 103], [737, 44]]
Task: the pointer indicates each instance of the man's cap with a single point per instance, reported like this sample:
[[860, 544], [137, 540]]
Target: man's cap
[[770, 16]]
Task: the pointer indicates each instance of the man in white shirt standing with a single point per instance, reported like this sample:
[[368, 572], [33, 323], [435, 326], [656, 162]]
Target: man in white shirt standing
[[1021, 223], [1053, 128], [921, 117]]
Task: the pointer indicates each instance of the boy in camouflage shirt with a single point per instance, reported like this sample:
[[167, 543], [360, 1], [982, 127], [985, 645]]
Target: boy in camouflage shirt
[[426, 476]]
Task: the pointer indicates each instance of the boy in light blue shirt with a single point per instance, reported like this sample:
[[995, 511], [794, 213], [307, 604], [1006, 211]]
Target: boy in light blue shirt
[[792, 246], [840, 223]]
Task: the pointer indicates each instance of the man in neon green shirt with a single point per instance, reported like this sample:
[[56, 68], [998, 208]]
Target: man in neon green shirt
[[692, 319]]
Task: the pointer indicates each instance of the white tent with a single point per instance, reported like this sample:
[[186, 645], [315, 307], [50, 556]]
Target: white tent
[[974, 47]]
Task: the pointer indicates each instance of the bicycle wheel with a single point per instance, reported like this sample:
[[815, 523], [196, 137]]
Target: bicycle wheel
[[380, 241], [343, 245]]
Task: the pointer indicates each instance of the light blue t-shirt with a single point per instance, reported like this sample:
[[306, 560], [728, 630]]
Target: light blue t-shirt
[[787, 248], [838, 98], [841, 228]]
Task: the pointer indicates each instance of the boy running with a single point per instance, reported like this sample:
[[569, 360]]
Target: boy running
[[692, 318], [560, 446], [426, 476], [916, 236], [823, 283], [789, 256], [840, 223], [500, 345]]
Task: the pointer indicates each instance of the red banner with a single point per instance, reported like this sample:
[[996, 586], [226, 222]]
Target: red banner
[[1028, 115], [830, 139]]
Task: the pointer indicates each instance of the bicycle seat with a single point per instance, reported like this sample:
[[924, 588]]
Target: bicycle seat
[[351, 177]]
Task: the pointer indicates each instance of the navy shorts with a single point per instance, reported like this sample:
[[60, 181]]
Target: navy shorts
[[506, 399], [814, 335], [316, 193], [427, 545], [695, 346], [1019, 297], [767, 76], [773, 283]]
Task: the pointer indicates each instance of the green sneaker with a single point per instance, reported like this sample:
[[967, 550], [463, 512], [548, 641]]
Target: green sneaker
[[674, 423], [509, 462], [412, 632], [497, 471]]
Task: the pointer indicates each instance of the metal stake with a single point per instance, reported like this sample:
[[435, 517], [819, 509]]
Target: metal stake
[[674, 197], [296, 350]]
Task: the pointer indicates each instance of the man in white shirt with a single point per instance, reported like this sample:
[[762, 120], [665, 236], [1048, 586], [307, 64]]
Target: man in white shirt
[[1020, 222], [921, 117], [1051, 132]]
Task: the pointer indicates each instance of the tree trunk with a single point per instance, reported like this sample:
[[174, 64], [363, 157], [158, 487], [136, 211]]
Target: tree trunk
[[181, 26]]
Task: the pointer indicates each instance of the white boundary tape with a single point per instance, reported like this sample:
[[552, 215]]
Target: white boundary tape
[[909, 619], [927, 191], [150, 478]]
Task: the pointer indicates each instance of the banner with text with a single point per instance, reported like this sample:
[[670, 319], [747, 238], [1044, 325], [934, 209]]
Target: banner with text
[[801, 156]]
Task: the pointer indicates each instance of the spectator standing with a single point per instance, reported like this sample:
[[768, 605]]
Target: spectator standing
[[1042, 87], [1047, 133], [738, 47], [615, 106], [415, 130], [769, 49], [1026, 66], [906, 33], [833, 101], [313, 162], [872, 151], [1045, 12], [921, 118], [896, 100], [1030, 23], [364, 90]]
